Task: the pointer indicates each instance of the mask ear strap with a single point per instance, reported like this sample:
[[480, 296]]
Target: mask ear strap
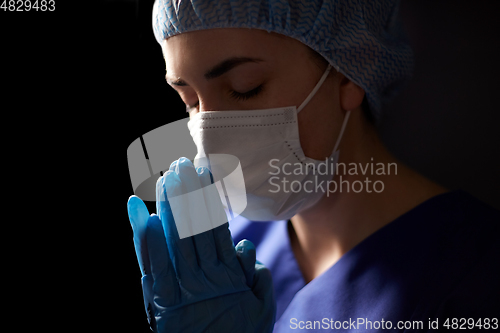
[[316, 88], [346, 118]]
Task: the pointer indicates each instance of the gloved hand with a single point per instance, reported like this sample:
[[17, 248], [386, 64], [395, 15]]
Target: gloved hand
[[199, 283]]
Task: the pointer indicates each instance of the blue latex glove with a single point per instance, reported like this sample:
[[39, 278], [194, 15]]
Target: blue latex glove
[[199, 283]]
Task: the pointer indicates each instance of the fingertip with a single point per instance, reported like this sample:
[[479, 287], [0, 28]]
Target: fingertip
[[205, 175], [131, 198], [182, 161], [185, 160], [160, 186], [201, 170], [187, 175], [245, 252], [173, 165], [170, 185], [137, 212], [133, 202], [161, 179], [154, 223], [153, 217], [245, 246]]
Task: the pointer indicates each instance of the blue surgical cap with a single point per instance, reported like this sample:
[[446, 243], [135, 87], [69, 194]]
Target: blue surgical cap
[[362, 39]]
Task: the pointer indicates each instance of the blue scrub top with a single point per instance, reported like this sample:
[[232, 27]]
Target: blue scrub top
[[438, 261]]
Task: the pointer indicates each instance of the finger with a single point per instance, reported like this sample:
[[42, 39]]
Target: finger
[[206, 177], [197, 217], [234, 272], [216, 213], [245, 252], [138, 216], [225, 247], [181, 251], [205, 242], [263, 287], [195, 221], [165, 288], [222, 236], [147, 292], [223, 239]]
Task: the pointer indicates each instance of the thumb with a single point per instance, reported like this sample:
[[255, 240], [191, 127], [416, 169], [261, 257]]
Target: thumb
[[263, 282], [263, 290], [245, 252]]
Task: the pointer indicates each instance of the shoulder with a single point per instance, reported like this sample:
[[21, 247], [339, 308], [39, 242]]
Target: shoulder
[[474, 227], [477, 293], [458, 219], [465, 270]]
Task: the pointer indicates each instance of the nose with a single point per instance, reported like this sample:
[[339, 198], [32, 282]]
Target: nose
[[209, 104], [213, 99]]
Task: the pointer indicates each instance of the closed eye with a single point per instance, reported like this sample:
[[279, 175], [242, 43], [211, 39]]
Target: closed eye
[[234, 94], [246, 95]]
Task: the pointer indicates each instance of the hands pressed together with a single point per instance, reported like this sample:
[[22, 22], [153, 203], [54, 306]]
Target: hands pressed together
[[199, 283]]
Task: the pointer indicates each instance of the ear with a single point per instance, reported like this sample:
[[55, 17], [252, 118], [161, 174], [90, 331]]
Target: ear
[[351, 95]]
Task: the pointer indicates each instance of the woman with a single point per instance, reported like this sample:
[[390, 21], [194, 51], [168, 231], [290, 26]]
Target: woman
[[368, 244]]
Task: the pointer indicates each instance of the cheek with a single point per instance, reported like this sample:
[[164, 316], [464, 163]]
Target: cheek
[[282, 93], [295, 85], [319, 125]]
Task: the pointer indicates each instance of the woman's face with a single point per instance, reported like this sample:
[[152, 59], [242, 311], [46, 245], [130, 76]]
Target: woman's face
[[246, 69]]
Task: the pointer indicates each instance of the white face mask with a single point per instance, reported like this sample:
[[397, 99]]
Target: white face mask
[[267, 144]]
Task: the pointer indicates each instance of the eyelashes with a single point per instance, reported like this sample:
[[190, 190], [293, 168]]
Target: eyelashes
[[235, 95], [249, 94]]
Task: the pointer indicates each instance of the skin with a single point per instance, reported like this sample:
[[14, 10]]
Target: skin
[[323, 233]]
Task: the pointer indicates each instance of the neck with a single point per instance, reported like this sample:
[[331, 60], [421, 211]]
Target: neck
[[386, 188]]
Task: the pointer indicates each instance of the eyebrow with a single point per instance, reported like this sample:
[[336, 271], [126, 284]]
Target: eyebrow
[[218, 70]]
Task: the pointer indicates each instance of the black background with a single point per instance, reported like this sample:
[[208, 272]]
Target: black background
[[445, 124], [91, 78]]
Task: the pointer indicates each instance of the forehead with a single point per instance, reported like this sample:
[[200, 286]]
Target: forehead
[[210, 46]]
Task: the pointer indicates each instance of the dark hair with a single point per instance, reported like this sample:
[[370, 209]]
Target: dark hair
[[321, 62]]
